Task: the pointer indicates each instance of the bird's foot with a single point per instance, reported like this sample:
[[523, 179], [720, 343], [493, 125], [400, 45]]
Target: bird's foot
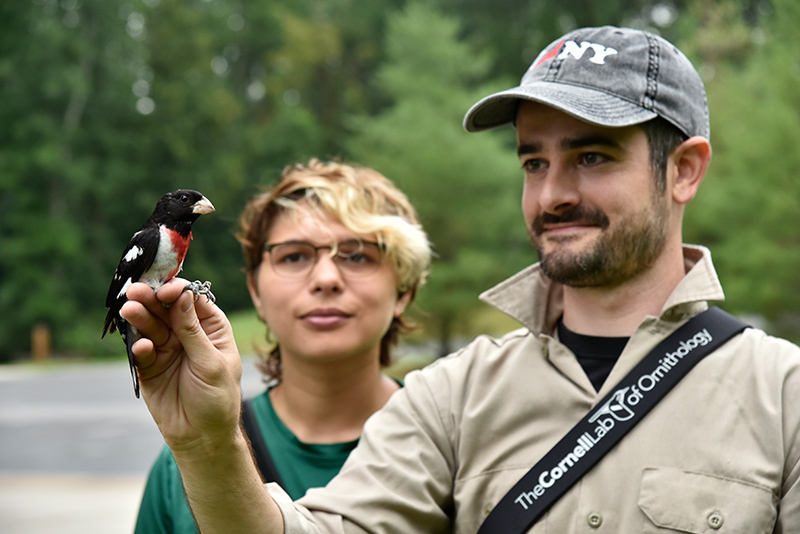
[[201, 288]]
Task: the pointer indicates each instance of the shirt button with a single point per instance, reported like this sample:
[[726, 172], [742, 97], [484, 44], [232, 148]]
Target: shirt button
[[595, 520], [715, 520]]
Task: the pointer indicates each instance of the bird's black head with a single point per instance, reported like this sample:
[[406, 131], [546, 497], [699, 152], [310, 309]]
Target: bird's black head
[[181, 208]]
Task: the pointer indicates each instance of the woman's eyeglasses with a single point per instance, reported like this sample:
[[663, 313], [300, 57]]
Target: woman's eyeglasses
[[296, 259]]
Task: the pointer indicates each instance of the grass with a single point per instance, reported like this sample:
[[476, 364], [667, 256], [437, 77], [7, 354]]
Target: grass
[[249, 332], [416, 350]]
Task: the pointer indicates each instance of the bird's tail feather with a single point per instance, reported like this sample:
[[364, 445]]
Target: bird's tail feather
[[109, 326], [131, 337]]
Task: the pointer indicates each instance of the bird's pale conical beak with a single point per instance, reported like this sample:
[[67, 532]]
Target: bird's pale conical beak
[[203, 206]]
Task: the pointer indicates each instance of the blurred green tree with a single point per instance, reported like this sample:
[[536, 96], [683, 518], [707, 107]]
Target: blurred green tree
[[513, 32], [466, 188], [107, 104], [747, 210], [64, 70]]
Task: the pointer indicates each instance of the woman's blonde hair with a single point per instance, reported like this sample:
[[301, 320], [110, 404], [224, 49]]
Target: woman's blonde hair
[[361, 199]]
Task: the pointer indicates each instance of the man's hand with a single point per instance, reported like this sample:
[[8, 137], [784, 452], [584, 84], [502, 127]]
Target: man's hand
[[188, 364], [190, 373]]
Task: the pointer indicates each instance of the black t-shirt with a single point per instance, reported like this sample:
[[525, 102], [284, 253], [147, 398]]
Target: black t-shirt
[[596, 354]]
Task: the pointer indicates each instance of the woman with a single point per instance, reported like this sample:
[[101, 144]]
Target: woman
[[334, 255]]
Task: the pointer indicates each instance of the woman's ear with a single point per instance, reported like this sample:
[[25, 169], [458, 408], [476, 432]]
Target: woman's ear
[[403, 301], [253, 289], [689, 163]]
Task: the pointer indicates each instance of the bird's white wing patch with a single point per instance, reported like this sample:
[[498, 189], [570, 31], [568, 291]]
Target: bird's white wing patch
[[133, 253], [125, 287]]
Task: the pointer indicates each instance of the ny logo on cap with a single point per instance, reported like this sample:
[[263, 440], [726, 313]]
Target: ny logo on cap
[[571, 48]]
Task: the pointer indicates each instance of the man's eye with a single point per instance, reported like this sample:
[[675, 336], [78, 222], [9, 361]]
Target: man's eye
[[532, 165], [593, 158]]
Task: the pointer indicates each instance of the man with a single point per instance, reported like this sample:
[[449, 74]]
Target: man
[[613, 136]]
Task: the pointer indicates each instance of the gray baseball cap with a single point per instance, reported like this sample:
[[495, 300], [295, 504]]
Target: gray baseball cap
[[607, 76]]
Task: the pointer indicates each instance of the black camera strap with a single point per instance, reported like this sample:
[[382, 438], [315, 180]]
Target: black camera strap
[[604, 426], [262, 457]]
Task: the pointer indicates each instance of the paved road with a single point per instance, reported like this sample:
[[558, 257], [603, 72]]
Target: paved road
[[75, 447]]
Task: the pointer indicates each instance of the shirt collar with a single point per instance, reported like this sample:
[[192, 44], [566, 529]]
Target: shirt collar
[[520, 296]]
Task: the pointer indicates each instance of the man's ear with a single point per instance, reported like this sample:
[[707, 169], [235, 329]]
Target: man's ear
[[689, 163]]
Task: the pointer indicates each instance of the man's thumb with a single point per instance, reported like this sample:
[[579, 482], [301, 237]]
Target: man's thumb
[[186, 325]]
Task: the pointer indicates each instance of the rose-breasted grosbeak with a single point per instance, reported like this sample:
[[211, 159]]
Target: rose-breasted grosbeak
[[154, 255]]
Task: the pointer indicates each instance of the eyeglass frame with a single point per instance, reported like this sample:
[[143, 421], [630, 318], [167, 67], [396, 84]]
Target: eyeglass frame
[[269, 247]]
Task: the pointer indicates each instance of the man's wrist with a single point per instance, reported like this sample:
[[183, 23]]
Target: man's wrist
[[224, 489], [206, 452]]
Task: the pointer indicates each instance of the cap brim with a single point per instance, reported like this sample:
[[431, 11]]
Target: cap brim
[[585, 104]]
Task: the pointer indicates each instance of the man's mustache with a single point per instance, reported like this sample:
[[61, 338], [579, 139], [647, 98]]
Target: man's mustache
[[592, 217]]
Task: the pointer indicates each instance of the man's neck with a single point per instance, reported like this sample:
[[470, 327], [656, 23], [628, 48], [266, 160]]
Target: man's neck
[[618, 311]]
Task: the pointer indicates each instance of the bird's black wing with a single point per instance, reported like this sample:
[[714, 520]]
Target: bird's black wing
[[136, 260]]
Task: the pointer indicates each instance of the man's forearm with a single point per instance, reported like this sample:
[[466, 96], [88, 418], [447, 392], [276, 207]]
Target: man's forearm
[[225, 491]]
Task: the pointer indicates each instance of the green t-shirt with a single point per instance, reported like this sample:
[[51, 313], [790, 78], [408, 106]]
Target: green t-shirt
[[164, 509]]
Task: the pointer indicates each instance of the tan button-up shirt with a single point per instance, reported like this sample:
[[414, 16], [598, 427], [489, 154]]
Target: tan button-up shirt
[[720, 453]]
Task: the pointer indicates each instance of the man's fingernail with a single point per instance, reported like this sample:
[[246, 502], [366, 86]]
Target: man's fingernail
[[187, 305]]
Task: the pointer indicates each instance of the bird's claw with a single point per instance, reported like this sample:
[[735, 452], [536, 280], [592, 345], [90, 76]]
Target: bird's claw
[[201, 288]]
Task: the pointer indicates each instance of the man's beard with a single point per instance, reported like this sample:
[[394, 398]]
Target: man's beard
[[615, 257]]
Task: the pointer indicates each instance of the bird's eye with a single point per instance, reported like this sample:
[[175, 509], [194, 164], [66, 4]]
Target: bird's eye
[[184, 199]]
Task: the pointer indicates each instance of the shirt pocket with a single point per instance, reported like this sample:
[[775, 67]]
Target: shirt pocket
[[674, 500]]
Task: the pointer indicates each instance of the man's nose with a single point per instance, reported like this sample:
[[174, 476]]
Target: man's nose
[[559, 190]]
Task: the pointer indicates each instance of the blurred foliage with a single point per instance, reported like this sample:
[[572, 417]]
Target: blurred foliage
[[747, 210], [107, 104], [467, 188]]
